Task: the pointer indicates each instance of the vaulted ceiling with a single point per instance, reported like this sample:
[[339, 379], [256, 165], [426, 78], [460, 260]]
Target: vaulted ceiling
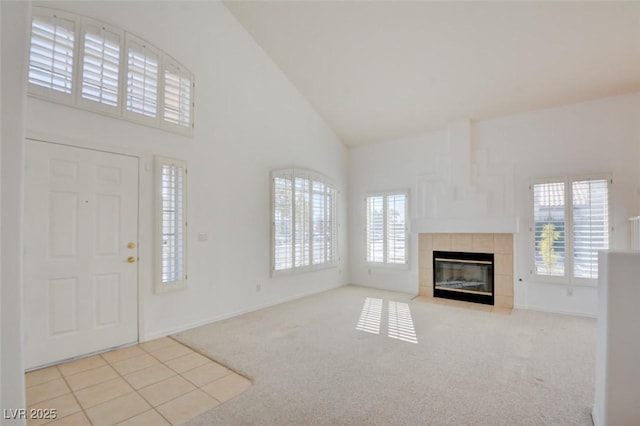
[[380, 70]]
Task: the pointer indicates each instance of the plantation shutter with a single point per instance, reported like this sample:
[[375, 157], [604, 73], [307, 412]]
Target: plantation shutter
[[177, 95], [172, 192], [318, 220], [51, 51], [549, 228], [283, 221], [142, 78], [375, 228], [302, 237], [101, 64], [590, 225], [396, 228], [330, 224]]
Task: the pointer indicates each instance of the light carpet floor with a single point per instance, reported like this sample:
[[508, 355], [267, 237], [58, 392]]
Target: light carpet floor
[[310, 365]]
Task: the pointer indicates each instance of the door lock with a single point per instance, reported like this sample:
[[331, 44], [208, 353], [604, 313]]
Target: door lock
[[131, 245]]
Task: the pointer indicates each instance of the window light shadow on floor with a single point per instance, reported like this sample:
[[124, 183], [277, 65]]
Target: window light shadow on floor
[[370, 316], [400, 323]]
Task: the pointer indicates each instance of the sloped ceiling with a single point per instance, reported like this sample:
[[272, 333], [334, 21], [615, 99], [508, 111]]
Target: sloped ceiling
[[380, 70]]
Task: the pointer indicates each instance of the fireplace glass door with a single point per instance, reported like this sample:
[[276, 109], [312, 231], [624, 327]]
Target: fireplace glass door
[[463, 276]]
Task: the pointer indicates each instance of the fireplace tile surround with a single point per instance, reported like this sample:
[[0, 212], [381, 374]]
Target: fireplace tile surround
[[501, 245]]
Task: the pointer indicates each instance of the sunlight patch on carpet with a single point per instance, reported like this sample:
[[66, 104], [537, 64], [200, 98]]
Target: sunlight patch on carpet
[[370, 316], [401, 323]]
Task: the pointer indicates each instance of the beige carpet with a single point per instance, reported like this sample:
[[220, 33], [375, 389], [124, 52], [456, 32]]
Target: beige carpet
[[312, 363]]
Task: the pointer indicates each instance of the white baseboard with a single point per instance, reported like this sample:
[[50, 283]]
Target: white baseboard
[[174, 330], [561, 312]]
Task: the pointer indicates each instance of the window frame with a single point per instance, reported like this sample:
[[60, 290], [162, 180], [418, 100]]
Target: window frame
[[568, 277], [113, 111], [160, 286], [331, 254], [75, 99], [385, 255], [45, 92]]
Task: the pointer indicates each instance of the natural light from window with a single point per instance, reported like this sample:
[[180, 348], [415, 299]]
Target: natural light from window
[[399, 324]]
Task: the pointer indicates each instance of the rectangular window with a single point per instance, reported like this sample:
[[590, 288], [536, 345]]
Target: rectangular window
[[303, 212], [100, 64], [51, 53], [571, 224], [172, 223], [386, 228], [143, 64], [178, 98]]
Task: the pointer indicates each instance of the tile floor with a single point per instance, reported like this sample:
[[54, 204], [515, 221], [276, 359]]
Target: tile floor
[[161, 382]]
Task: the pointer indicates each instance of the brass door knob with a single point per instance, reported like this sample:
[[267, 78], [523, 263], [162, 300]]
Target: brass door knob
[[131, 259]]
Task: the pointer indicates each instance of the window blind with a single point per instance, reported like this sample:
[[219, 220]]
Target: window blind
[[396, 228], [51, 52], [549, 219], [142, 79], [590, 225], [177, 96], [303, 220], [375, 228], [101, 65], [283, 222], [173, 222]]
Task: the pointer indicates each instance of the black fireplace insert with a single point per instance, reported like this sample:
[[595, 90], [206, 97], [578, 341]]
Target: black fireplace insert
[[463, 276]]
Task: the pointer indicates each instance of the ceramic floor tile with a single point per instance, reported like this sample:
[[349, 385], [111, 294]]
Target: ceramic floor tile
[[187, 362], [227, 387], [75, 367], [77, 419], [117, 410], [41, 376], [91, 377], [122, 354], [205, 374], [186, 407], [103, 392], [149, 376], [171, 352], [131, 365], [166, 390], [64, 406], [148, 418], [45, 391], [154, 345]]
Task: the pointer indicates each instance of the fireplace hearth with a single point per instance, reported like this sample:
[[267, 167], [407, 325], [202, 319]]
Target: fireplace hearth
[[464, 276]]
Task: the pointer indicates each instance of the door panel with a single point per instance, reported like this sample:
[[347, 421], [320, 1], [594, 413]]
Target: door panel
[[81, 212]]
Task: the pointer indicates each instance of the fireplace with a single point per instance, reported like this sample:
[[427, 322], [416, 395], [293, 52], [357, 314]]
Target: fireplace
[[463, 276]]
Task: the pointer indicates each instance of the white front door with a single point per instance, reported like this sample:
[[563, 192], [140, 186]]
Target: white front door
[[80, 263]]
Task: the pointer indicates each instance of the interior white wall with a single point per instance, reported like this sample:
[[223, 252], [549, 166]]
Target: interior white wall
[[249, 120], [14, 35], [600, 136]]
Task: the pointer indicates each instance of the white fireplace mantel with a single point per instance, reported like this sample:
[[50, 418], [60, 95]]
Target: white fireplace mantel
[[490, 224]]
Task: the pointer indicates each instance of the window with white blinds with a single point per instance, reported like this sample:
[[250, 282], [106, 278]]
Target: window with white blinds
[[178, 84], [81, 62], [386, 228], [100, 64], [52, 51], [303, 220], [571, 224], [143, 64], [172, 223]]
